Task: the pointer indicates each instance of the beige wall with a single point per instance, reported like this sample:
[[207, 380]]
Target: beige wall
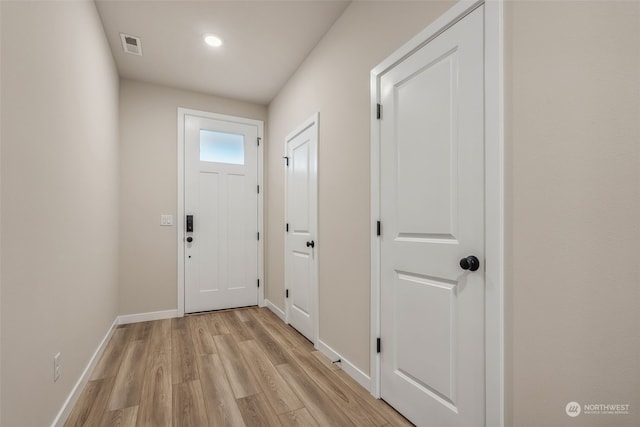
[[148, 188], [0, 217], [334, 80], [573, 137], [572, 195], [59, 201]]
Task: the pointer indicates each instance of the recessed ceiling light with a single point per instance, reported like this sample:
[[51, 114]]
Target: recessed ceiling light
[[212, 40]]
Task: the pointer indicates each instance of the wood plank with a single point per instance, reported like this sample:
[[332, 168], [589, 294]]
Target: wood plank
[[202, 340], [112, 356], [299, 339], [220, 403], [239, 376], [216, 324], [275, 389], [156, 398], [235, 326], [272, 349], [274, 330], [256, 412], [278, 327], [183, 359], [298, 418], [188, 405], [140, 330], [325, 361], [343, 397], [91, 404], [120, 418], [380, 406], [128, 382], [160, 336], [243, 314], [319, 405]]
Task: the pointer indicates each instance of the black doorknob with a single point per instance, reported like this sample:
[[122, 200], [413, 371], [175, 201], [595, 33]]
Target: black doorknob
[[470, 263], [189, 239], [311, 244]]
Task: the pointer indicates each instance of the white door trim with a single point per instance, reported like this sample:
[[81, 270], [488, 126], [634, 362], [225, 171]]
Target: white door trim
[[494, 195], [182, 112], [312, 121]]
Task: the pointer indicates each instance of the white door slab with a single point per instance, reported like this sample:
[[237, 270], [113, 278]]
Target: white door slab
[[301, 246], [221, 197], [432, 362]]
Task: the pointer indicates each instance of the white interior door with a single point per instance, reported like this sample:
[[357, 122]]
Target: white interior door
[[221, 203], [432, 212], [301, 229]]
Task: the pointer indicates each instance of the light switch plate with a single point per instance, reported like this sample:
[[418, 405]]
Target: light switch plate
[[56, 367], [166, 219]]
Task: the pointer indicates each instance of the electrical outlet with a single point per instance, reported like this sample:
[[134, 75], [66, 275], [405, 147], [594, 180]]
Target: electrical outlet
[[56, 367]]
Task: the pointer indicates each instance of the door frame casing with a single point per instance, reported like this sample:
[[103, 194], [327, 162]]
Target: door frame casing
[[494, 195], [313, 121], [182, 113]]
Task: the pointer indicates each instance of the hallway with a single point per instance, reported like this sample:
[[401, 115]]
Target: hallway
[[91, 212]]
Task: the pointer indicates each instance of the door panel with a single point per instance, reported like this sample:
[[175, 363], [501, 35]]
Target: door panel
[[301, 213], [241, 240], [300, 268], [207, 224], [432, 210], [430, 304], [221, 263], [300, 182], [427, 209]]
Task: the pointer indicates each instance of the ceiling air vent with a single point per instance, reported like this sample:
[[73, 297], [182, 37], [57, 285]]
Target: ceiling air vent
[[131, 44]]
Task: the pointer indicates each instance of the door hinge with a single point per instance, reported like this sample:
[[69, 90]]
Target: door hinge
[[286, 159], [258, 235], [258, 282], [378, 228], [286, 293], [259, 139], [258, 189], [379, 111], [286, 227], [378, 345]]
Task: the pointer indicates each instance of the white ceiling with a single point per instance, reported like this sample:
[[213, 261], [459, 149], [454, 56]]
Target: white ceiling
[[264, 42]]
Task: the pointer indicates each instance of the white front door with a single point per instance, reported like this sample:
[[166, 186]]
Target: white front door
[[432, 215], [221, 209], [301, 245]]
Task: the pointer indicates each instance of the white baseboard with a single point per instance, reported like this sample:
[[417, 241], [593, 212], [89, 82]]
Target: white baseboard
[[276, 310], [360, 377], [68, 405], [352, 370], [146, 317]]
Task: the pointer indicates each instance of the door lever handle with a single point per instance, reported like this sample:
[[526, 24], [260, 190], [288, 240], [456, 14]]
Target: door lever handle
[[311, 244]]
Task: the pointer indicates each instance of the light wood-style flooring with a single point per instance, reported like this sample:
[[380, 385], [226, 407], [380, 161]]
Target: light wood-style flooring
[[241, 367]]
